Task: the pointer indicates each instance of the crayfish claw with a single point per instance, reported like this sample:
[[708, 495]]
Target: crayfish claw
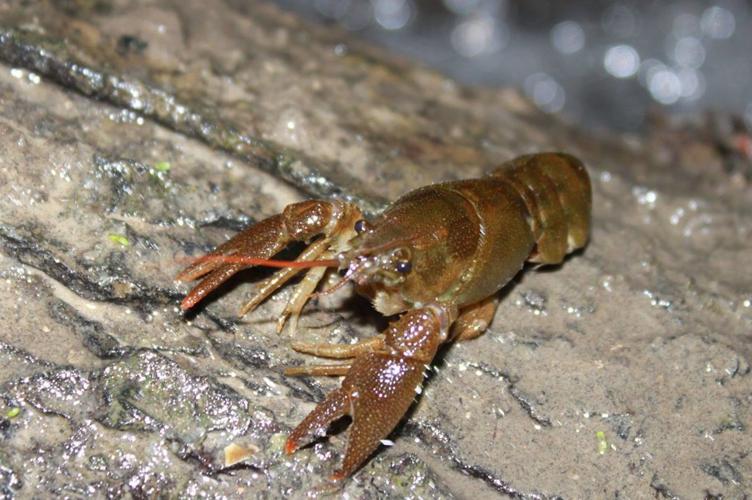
[[216, 277], [261, 240], [257, 244], [333, 407], [379, 387]]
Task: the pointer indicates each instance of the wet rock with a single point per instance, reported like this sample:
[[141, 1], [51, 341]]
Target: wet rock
[[135, 135]]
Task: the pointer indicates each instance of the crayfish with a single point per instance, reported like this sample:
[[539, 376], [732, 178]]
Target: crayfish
[[437, 256]]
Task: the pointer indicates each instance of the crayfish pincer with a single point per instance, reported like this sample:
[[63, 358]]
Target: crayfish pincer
[[437, 255]]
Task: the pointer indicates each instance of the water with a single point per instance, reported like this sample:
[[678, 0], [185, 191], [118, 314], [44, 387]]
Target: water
[[601, 64]]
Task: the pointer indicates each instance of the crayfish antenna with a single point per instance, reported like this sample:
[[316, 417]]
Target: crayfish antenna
[[246, 261]]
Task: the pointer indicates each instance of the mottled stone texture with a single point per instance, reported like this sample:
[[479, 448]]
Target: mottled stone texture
[[134, 133]]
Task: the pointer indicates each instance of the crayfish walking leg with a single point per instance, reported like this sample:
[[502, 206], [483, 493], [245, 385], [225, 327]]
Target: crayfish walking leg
[[378, 388]]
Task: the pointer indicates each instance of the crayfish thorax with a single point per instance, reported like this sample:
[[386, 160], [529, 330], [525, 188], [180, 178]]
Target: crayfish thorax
[[415, 252]]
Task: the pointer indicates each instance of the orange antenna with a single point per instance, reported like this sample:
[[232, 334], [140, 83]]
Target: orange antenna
[[254, 261]]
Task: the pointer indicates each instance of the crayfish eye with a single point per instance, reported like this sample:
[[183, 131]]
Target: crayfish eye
[[404, 266], [361, 226]]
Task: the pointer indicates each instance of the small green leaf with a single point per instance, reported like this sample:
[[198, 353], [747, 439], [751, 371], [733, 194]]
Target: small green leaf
[[162, 166], [13, 412], [602, 443], [119, 239]]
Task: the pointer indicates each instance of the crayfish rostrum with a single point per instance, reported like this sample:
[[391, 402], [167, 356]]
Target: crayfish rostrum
[[438, 255]]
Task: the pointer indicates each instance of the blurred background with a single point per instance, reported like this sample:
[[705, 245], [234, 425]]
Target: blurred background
[[607, 65]]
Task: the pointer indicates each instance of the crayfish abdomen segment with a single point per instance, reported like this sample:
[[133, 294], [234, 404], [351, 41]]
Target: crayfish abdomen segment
[[535, 207], [556, 190], [505, 241]]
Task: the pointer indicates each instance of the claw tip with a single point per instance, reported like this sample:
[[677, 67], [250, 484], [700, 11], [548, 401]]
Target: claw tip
[[188, 302], [290, 447], [243, 311], [281, 323], [337, 476]]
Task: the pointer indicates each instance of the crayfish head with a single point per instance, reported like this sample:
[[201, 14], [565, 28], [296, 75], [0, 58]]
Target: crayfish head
[[390, 268], [379, 266], [409, 256], [380, 277]]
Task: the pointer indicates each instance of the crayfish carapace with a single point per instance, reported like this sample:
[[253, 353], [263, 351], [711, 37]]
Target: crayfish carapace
[[438, 255]]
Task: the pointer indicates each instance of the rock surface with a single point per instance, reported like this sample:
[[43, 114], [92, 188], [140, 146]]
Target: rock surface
[[134, 133]]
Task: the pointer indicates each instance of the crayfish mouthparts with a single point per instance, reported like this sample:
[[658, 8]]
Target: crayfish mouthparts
[[437, 255]]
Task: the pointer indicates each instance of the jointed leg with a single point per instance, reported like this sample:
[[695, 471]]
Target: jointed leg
[[333, 351], [299, 298], [341, 351], [276, 280], [474, 319]]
